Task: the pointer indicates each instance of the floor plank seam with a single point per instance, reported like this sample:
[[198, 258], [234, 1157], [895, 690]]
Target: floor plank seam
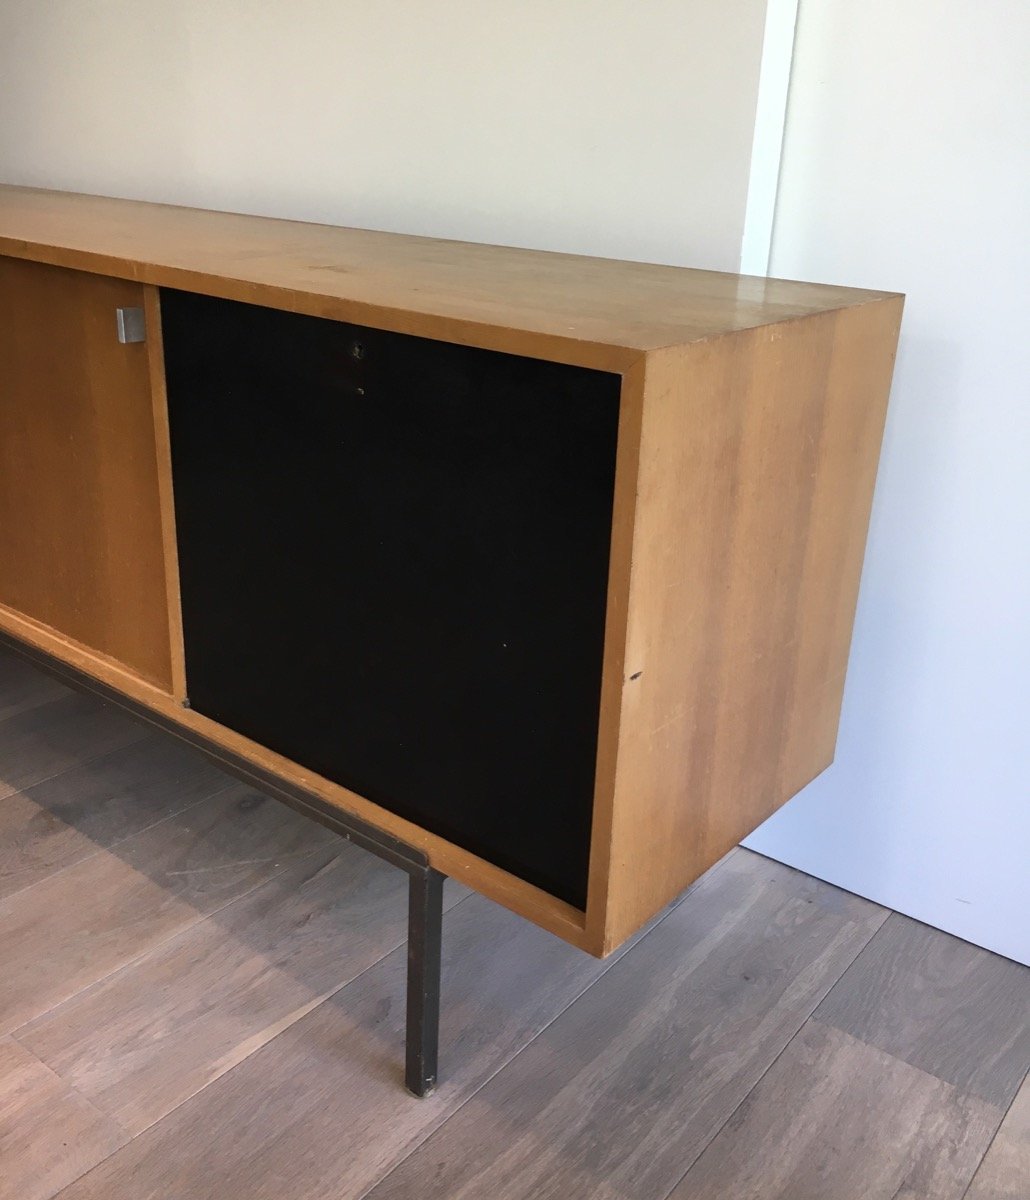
[[301, 1014], [111, 846], [21, 710], [609, 963], [67, 1083], [70, 1087], [99, 1163], [856, 963], [142, 732], [779, 1054], [187, 1099], [994, 1135], [143, 955]]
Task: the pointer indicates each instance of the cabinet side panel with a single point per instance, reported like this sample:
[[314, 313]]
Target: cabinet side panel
[[758, 459], [80, 532]]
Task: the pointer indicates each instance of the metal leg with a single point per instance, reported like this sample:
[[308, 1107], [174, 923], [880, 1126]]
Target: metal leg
[[425, 918]]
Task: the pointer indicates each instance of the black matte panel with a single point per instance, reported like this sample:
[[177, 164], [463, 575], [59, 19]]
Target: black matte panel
[[394, 557]]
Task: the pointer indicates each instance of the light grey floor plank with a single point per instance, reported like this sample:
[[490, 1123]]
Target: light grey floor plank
[[73, 928], [320, 1111], [838, 1119], [620, 1095], [23, 686], [49, 1135], [49, 738], [96, 805], [949, 1008], [1004, 1173], [148, 1037], [173, 953]]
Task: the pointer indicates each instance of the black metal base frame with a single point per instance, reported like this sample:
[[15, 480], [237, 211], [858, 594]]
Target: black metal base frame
[[425, 886]]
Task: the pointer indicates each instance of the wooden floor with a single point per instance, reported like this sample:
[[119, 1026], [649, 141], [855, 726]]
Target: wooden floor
[[202, 996]]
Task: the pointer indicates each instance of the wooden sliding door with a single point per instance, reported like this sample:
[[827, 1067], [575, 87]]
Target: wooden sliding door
[[81, 548]]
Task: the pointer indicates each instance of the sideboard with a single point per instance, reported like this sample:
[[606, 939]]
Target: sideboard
[[534, 570]]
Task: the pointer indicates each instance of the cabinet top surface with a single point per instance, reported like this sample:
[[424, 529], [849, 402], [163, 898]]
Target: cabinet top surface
[[594, 311]]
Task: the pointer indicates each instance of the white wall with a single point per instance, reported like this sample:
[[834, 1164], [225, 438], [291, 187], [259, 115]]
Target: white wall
[[622, 128], [906, 166]]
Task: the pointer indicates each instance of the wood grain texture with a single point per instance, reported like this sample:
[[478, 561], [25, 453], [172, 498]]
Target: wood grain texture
[[76, 927], [90, 807], [835, 1119], [1004, 1173], [41, 742], [145, 1039], [49, 1134], [620, 1094], [319, 1111], [80, 533], [757, 460], [949, 1008], [591, 311]]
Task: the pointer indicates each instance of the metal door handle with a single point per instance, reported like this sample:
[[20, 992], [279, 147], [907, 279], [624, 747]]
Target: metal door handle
[[131, 325]]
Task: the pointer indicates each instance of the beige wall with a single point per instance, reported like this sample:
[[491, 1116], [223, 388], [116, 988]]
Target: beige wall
[[622, 128]]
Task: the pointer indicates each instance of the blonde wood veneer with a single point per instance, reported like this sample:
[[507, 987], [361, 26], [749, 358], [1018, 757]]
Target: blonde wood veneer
[[80, 518], [757, 461], [593, 312]]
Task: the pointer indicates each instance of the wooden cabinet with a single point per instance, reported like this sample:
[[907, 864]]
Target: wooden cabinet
[[546, 565]]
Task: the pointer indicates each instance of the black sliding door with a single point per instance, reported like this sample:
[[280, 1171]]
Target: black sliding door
[[394, 557]]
